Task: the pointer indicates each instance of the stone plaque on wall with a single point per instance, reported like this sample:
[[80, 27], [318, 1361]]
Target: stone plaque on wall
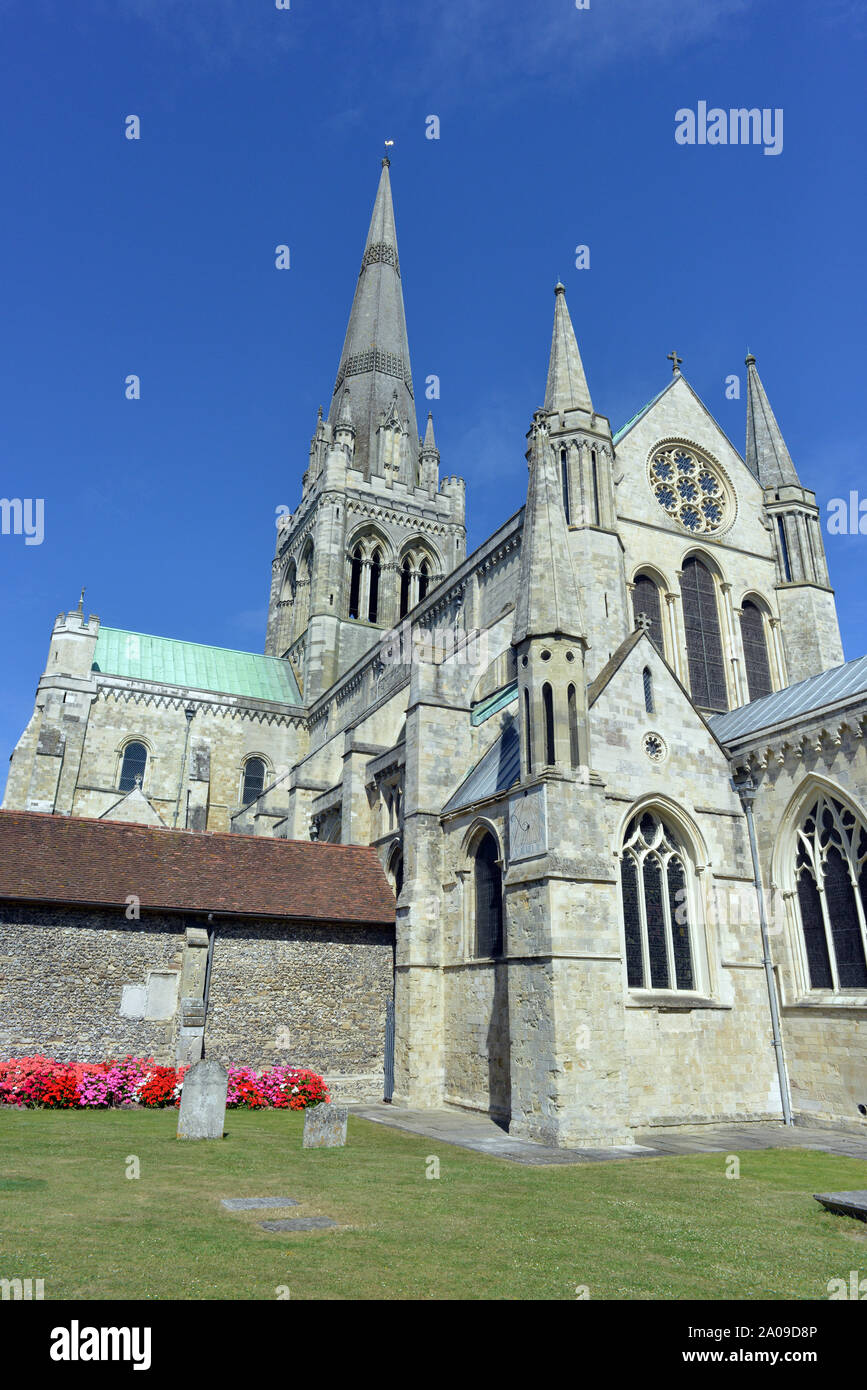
[[528, 824]]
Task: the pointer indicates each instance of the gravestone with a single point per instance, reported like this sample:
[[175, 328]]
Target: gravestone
[[325, 1126], [203, 1101], [254, 1203], [299, 1223], [845, 1203]]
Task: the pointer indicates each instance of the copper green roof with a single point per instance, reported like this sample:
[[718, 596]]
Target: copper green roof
[[166, 661]]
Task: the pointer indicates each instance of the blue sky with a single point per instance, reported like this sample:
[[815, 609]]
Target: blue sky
[[262, 126]]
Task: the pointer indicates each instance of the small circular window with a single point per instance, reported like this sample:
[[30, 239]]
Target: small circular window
[[690, 489]]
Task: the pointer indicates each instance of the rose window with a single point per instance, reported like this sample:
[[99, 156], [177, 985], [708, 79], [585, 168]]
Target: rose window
[[689, 489]]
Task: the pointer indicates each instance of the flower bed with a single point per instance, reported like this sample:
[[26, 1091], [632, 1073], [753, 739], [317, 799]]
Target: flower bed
[[42, 1082]]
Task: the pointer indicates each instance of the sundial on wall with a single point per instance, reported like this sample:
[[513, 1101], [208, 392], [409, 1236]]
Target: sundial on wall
[[528, 824]]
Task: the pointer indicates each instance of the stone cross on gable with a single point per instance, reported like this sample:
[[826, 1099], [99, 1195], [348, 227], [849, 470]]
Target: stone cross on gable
[[675, 362], [643, 623]]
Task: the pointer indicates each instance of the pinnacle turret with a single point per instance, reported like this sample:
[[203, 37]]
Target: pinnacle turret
[[566, 388], [548, 602], [767, 457]]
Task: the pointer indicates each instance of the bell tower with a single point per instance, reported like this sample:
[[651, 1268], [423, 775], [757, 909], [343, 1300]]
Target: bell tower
[[376, 527]]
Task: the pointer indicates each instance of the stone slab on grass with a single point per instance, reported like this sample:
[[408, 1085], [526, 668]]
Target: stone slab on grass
[[299, 1223], [255, 1203], [845, 1203]]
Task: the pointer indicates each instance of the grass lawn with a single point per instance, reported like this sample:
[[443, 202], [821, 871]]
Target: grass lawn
[[665, 1228]]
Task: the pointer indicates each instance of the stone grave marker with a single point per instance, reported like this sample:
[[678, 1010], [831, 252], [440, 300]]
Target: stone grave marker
[[845, 1203], [299, 1223], [203, 1101], [325, 1126], [255, 1203]]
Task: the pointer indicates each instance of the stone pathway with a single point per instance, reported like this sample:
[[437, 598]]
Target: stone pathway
[[469, 1130]]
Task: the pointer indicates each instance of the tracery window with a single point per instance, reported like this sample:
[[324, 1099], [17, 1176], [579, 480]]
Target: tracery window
[[135, 758], [755, 651], [707, 676], [690, 488], [831, 877], [417, 572], [489, 898], [654, 870]]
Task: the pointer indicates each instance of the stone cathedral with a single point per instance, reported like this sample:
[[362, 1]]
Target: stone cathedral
[[596, 757]]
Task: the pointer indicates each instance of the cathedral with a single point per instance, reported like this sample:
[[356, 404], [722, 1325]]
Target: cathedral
[[611, 762]]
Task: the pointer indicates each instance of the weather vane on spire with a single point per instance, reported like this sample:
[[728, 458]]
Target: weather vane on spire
[[388, 146]]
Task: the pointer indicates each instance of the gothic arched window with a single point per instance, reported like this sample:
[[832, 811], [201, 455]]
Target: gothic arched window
[[489, 898], [254, 780], [656, 906], [647, 678], [423, 580], [405, 583], [564, 478], [355, 582], [574, 750], [594, 477], [707, 675], [831, 877], [548, 711], [135, 758], [645, 599], [755, 651], [375, 570], [528, 730]]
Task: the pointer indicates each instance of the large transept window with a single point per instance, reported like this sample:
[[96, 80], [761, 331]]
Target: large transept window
[[831, 877], [656, 906], [707, 675]]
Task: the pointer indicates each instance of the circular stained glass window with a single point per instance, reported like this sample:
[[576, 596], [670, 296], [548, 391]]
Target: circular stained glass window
[[690, 489]]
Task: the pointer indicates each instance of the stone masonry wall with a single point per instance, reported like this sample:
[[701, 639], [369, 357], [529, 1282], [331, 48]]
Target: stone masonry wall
[[309, 995]]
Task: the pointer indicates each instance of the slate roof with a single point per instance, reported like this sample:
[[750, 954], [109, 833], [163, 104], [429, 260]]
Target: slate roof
[[497, 770], [794, 701], [138, 656], [63, 859]]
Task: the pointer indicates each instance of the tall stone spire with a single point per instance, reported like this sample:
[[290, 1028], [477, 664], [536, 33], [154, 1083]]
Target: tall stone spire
[[768, 459], [548, 602], [567, 385], [375, 358]]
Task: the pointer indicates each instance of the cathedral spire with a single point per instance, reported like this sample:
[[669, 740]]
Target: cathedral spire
[[567, 385], [548, 603], [375, 357], [768, 459]]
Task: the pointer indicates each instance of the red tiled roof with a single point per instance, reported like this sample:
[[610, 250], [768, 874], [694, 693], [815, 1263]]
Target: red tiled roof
[[62, 859]]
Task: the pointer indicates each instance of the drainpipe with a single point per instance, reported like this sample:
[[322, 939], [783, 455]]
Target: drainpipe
[[189, 712], [746, 790], [208, 965]]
